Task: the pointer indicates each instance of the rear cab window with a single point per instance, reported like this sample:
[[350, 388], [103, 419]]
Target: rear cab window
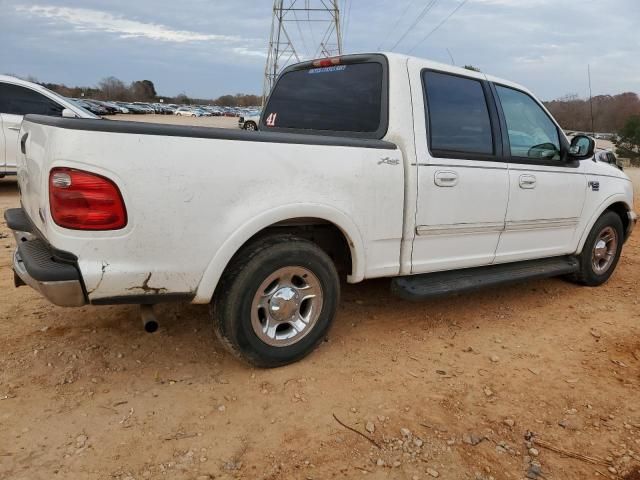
[[346, 98], [458, 117]]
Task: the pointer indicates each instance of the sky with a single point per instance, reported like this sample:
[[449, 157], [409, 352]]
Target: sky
[[207, 48]]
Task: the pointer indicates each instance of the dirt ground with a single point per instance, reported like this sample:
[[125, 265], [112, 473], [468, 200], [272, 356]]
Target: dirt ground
[[446, 388]]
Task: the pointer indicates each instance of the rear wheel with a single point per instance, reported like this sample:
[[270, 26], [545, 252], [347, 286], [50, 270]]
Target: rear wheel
[[276, 301], [601, 251]]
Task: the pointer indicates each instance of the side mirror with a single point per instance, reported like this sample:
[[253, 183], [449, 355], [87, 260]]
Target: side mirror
[[582, 147], [68, 113]]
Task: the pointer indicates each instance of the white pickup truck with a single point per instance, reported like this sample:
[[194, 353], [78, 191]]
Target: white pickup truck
[[372, 165]]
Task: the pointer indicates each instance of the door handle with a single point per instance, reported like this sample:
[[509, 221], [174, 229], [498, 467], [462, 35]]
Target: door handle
[[445, 178], [527, 181], [15, 129]]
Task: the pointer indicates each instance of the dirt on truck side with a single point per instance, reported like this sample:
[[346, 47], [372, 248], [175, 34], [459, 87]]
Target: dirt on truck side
[[536, 380]]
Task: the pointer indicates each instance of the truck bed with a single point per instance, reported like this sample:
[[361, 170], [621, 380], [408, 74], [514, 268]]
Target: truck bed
[[195, 195]]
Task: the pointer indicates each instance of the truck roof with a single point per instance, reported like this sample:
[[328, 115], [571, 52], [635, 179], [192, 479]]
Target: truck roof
[[453, 69]]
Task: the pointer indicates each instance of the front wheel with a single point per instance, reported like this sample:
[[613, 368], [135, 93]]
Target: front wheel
[[601, 250], [276, 300], [250, 126]]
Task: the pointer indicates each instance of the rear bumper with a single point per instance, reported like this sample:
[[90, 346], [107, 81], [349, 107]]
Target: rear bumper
[[35, 263]]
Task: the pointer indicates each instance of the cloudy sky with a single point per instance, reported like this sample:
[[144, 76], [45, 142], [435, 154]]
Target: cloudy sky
[[207, 48]]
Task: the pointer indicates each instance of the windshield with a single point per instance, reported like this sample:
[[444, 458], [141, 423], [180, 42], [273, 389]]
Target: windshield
[[339, 98]]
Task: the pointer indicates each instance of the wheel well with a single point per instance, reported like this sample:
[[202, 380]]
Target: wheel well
[[621, 210], [324, 234]]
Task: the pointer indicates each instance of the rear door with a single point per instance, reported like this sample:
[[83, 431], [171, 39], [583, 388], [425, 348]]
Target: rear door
[[546, 194], [17, 101], [462, 178]]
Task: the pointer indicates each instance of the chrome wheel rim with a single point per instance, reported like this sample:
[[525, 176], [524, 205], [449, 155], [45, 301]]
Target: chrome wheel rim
[[251, 127], [604, 250], [286, 306]]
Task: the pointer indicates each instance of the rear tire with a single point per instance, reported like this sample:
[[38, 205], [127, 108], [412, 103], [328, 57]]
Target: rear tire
[[601, 250], [276, 301]]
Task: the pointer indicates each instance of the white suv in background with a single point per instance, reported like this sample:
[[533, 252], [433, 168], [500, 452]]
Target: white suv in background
[[19, 98]]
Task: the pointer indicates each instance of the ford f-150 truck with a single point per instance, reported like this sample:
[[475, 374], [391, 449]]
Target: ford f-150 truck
[[371, 165]]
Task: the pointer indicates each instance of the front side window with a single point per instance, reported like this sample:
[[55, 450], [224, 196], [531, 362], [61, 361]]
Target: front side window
[[17, 100], [339, 98], [532, 134], [459, 119]]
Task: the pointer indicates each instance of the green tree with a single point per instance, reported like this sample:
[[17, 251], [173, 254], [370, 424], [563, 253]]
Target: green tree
[[630, 134], [143, 90]]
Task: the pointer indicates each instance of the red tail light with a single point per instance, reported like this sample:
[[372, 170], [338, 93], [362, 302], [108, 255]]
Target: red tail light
[[85, 201]]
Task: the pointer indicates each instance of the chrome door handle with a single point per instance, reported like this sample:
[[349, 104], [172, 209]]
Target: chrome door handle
[[15, 129], [445, 178], [527, 181]]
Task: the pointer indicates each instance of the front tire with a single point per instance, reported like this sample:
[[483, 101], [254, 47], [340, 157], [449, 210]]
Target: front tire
[[601, 250], [250, 126], [276, 301]]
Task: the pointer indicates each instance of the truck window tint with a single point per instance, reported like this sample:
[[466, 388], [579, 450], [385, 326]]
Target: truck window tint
[[340, 98], [458, 114], [532, 134], [17, 100]]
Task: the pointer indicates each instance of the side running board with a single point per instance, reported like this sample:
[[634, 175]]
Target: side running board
[[429, 285]]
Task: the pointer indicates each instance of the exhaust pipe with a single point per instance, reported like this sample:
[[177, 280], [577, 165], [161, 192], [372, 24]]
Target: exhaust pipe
[[149, 321]]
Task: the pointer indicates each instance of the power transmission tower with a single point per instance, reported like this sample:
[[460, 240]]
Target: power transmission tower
[[301, 30]]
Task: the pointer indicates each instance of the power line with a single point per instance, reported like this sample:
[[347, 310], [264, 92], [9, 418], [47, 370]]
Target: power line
[[395, 25], [460, 5], [422, 14]]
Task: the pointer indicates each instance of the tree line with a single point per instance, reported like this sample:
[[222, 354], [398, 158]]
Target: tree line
[[619, 114], [610, 112], [112, 88]]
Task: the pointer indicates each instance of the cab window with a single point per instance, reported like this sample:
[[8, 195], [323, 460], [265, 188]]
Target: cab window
[[458, 118], [532, 134], [340, 98]]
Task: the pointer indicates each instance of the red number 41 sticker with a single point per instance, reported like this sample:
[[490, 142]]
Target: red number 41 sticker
[[271, 119]]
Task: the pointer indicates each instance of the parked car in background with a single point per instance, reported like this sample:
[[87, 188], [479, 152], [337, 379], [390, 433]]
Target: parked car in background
[[135, 109], [118, 108], [18, 98], [250, 122], [92, 107], [203, 112], [405, 169], [187, 112], [108, 109], [145, 107]]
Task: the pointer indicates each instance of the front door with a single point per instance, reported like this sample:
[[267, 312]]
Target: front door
[[462, 181], [546, 194]]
